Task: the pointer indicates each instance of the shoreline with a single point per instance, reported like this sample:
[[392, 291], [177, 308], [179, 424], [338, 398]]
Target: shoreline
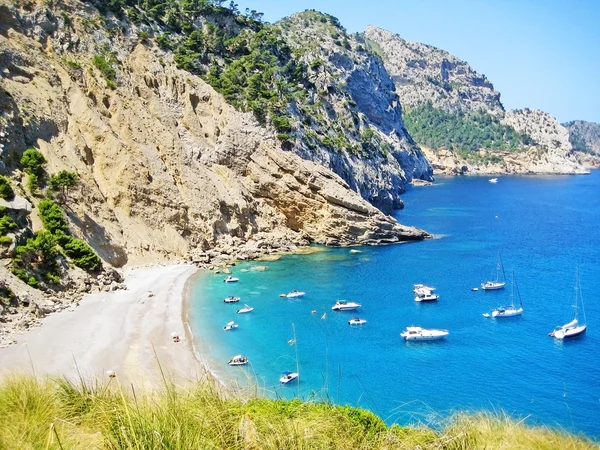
[[126, 331]]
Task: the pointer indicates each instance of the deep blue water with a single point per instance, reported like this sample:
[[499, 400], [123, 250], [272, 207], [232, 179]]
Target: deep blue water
[[544, 226]]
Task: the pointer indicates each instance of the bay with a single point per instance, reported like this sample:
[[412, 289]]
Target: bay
[[545, 227]]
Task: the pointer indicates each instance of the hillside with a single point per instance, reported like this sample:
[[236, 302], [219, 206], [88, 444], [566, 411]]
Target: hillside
[[79, 415], [105, 124], [456, 115], [585, 138]]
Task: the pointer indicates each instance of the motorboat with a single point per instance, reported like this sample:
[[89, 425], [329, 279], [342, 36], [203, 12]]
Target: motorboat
[[493, 180], [423, 334], [508, 310], [231, 279], [230, 326], [238, 360], [422, 289], [245, 309], [356, 321], [231, 299], [296, 294], [426, 297], [288, 376], [498, 284], [574, 328], [344, 305]]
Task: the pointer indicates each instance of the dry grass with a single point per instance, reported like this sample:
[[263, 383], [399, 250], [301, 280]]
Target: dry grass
[[66, 414]]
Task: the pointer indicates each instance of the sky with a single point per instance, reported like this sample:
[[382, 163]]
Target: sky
[[539, 54]]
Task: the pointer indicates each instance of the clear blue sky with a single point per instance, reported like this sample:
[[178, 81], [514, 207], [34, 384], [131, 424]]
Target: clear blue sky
[[541, 54]]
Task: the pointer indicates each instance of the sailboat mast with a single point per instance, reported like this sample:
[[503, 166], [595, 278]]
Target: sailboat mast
[[296, 348], [502, 266]]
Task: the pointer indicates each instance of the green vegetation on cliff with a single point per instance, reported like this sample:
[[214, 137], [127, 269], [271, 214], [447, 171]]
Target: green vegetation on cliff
[[436, 128], [60, 414]]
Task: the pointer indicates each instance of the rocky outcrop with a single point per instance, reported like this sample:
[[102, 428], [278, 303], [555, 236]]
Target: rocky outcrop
[[352, 105], [424, 74]]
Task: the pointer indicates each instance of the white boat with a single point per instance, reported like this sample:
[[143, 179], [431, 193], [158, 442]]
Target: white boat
[[574, 328], [245, 309], [422, 289], [230, 326], [356, 321], [426, 297], [493, 180], [423, 334], [288, 377], [498, 284], [343, 305], [238, 360], [231, 279], [295, 294], [509, 310], [231, 299]]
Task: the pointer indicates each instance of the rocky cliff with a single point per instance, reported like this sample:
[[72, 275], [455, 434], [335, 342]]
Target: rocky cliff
[[355, 119], [437, 88], [168, 169], [585, 139]]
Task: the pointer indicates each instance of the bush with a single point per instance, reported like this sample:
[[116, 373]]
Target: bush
[[82, 254], [7, 224], [33, 183], [104, 66], [6, 190], [5, 240], [32, 161], [52, 216]]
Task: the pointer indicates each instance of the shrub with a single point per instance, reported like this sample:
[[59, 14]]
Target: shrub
[[63, 180], [5, 240], [104, 66], [32, 161], [52, 216], [82, 254], [33, 183], [6, 190], [7, 224]]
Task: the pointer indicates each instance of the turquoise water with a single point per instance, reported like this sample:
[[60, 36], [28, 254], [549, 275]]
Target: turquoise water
[[545, 228]]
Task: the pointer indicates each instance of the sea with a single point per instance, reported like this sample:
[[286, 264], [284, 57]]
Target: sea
[[546, 229]]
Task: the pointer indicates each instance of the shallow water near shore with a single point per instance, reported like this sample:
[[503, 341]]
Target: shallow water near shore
[[544, 226]]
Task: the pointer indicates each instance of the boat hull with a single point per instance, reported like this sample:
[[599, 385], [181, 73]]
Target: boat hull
[[424, 337], [507, 313], [570, 333], [492, 286], [288, 378], [427, 298]]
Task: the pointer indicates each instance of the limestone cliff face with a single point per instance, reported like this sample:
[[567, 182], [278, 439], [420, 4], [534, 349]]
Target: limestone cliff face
[[427, 75], [352, 105], [423, 73], [167, 167]]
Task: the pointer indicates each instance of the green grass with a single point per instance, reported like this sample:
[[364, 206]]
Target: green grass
[[66, 414]]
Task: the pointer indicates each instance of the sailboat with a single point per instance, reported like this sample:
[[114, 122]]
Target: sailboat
[[493, 285], [509, 310], [573, 328], [288, 375]]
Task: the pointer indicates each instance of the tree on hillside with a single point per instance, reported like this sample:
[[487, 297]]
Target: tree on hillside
[[63, 180]]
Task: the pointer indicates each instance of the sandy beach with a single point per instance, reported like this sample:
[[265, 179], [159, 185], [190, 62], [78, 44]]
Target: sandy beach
[[128, 332]]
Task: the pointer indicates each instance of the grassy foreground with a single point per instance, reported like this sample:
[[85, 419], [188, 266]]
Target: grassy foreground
[[62, 414]]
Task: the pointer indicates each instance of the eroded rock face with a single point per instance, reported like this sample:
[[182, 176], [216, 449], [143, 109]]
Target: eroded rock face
[[355, 103], [166, 165]]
